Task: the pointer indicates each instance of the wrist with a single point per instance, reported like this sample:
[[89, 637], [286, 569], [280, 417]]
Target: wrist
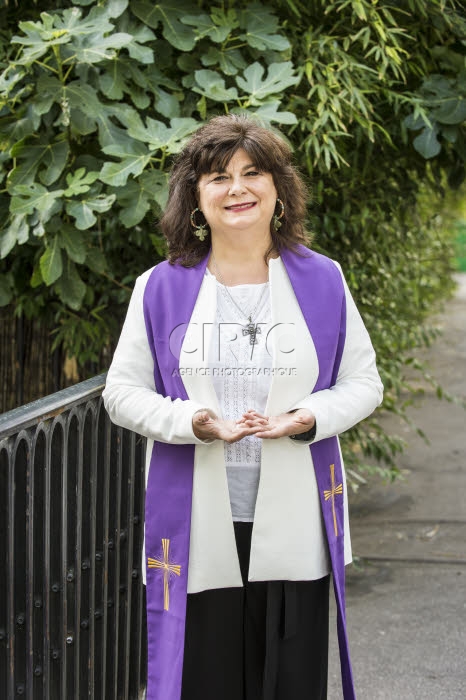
[[306, 435]]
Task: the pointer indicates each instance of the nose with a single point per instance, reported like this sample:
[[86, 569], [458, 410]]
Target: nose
[[236, 186]]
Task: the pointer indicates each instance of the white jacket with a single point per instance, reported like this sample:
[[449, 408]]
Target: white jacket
[[288, 541]]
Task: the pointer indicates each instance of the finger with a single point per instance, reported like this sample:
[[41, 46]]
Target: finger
[[270, 433], [255, 422], [253, 412], [242, 433], [253, 416]]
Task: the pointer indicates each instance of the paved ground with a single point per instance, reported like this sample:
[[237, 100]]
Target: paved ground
[[407, 605]]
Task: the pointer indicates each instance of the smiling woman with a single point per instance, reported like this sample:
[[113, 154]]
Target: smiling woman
[[246, 508], [240, 152], [240, 199]]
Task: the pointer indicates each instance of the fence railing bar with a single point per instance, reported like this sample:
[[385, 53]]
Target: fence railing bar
[[118, 544], [107, 543], [78, 569], [47, 580], [30, 573], [64, 560], [11, 582], [93, 552], [129, 560], [48, 407]]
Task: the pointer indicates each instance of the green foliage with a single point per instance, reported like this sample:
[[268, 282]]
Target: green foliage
[[96, 98], [461, 245], [377, 192], [94, 101]]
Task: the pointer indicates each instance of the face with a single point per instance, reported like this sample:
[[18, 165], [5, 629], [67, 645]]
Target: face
[[241, 198]]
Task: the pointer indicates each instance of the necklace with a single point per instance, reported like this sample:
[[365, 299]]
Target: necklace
[[251, 329]]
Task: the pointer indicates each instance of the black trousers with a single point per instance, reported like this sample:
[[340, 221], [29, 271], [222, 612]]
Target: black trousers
[[265, 641]]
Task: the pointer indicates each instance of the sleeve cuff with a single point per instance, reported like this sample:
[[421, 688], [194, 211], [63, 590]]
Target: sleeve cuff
[[307, 436]]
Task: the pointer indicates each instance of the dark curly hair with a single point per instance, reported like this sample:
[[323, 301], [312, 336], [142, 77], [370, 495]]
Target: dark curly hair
[[210, 150]]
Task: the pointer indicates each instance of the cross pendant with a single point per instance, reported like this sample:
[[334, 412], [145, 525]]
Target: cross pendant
[[251, 329]]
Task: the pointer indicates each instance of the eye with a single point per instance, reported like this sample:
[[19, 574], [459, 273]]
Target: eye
[[219, 178], [252, 173]]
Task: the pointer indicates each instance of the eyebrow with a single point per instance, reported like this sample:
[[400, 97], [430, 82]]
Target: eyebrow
[[246, 167]]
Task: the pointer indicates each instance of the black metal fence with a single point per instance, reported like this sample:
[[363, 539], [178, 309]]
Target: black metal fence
[[71, 527]]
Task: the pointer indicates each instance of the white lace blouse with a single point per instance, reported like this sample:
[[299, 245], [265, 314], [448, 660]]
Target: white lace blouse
[[241, 374]]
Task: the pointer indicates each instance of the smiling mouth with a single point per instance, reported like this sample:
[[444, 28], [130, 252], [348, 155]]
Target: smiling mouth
[[241, 207]]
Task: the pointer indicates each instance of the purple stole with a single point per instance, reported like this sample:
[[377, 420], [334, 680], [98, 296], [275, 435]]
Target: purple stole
[[169, 300]]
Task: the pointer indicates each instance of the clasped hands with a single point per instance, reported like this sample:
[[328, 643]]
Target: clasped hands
[[207, 426]]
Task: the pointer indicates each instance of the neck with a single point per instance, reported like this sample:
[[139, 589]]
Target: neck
[[240, 260]]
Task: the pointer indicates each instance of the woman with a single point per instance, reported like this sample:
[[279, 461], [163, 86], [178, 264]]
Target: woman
[[241, 359]]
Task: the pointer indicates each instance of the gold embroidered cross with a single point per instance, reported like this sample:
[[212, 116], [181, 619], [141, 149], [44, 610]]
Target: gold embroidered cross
[[167, 570], [334, 491]]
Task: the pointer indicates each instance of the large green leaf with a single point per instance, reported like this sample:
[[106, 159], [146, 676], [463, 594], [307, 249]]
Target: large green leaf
[[279, 77], [49, 90], [41, 33], [10, 77], [452, 111], [70, 287], [212, 85], [205, 27], [29, 198], [157, 135], [128, 146], [170, 15], [140, 35], [16, 129], [261, 25], [270, 112], [126, 115], [79, 182], [73, 242], [110, 134], [116, 174], [121, 77], [29, 158], [95, 48], [83, 211], [83, 97], [135, 202], [59, 29], [113, 82], [51, 262], [167, 104], [96, 261], [111, 8], [16, 232], [229, 62], [180, 129], [55, 159], [81, 124], [427, 143], [72, 23], [437, 85]]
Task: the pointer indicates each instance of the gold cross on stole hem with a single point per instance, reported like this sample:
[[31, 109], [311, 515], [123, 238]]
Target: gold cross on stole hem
[[167, 570], [335, 490]]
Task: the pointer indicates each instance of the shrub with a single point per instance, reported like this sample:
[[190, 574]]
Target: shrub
[[96, 97]]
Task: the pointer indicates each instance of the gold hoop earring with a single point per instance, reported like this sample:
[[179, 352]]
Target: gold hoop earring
[[276, 223], [201, 231]]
